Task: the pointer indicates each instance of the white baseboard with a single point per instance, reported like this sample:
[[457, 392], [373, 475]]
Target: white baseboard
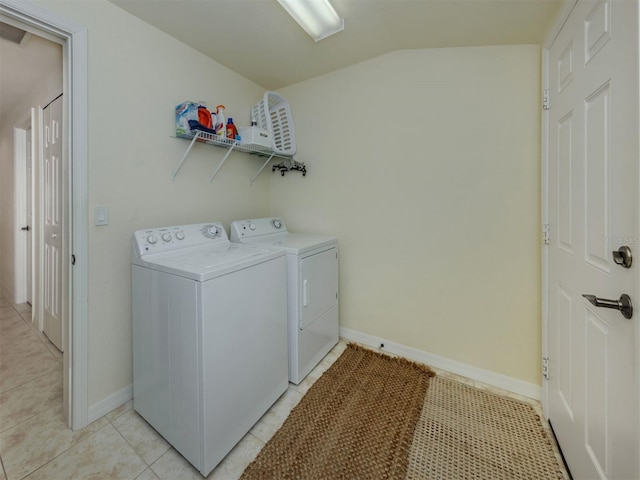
[[527, 389], [110, 403], [498, 380]]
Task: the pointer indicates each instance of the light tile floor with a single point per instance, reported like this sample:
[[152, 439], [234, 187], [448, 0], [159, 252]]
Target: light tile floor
[[36, 444]]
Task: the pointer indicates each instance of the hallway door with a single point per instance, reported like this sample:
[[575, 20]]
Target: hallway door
[[29, 216], [593, 212], [52, 227]]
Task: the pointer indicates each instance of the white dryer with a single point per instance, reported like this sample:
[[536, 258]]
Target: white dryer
[[209, 336], [312, 275]]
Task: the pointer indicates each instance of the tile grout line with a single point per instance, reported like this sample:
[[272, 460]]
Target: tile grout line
[[26, 383], [134, 450], [3, 469], [33, 333], [27, 419], [39, 335], [63, 452], [148, 465], [157, 460]]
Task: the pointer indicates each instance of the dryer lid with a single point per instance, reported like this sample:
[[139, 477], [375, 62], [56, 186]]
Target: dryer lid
[[293, 243]]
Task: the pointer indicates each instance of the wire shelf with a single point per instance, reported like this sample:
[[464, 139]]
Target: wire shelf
[[201, 136], [218, 141]]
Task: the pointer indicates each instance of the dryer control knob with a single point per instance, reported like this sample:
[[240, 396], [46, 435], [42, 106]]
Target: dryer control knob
[[180, 236], [151, 238], [276, 223], [252, 226], [210, 231], [166, 237]]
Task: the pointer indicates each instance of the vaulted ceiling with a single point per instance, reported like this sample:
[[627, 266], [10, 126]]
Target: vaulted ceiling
[[259, 40]]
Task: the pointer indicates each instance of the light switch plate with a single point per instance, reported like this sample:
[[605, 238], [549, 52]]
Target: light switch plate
[[101, 216]]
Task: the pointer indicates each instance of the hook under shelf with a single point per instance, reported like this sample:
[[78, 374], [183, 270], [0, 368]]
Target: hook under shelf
[[289, 165]]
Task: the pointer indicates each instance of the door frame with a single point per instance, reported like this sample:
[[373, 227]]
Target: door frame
[[551, 35], [73, 37], [553, 32]]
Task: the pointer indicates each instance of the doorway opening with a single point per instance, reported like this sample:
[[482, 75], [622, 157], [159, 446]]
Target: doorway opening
[[73, 203]]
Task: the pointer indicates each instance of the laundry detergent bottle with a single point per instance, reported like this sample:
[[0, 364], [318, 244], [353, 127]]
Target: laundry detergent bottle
[[204, 116], [221, 127], [232, 131]]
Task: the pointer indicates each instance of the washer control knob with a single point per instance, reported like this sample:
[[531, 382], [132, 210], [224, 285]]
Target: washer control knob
[[210, 231], [252, 226], [180, 235], [276, 223], [166, 237], [151, 238]]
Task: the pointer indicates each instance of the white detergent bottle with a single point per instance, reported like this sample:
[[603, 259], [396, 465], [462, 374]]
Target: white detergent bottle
[[221, 127]]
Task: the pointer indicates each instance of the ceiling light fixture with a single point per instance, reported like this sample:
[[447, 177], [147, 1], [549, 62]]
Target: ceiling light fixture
[[317, 17]]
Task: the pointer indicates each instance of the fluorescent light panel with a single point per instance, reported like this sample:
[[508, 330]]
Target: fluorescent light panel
[[317, 17]]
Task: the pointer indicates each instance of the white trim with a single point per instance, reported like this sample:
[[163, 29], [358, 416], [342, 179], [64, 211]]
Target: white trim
[[32, 30], [73, 36], [637, 272], [79, 227], [553, 32], [494, 379], [113, 401], [39, 120], [544, 220], [558, 23]]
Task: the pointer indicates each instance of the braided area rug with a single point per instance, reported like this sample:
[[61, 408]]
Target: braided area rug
[[356, 422], [468, 433]]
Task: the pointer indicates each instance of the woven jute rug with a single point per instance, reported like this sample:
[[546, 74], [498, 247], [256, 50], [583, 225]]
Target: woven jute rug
[[467, 433], [356, 422]]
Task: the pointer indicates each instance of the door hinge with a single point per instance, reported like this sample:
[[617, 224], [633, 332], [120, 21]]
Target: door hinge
[[545, 234], [546, 101], [73, 259], [545, 368]]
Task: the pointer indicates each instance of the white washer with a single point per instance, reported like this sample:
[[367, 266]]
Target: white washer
[[312, 275], [209, 336]]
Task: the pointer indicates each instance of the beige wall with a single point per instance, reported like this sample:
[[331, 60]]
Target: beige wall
[[137, 75], [440, 146], [425, 164]]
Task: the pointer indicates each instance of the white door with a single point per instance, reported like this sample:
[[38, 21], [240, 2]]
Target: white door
[[52, 231], [29, 203], [593, 210]]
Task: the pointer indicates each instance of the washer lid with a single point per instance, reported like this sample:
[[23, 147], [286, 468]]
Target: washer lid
[[294, 243], [206, 262]]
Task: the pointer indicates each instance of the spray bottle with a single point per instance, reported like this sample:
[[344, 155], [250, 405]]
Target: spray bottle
[[221, 128]]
